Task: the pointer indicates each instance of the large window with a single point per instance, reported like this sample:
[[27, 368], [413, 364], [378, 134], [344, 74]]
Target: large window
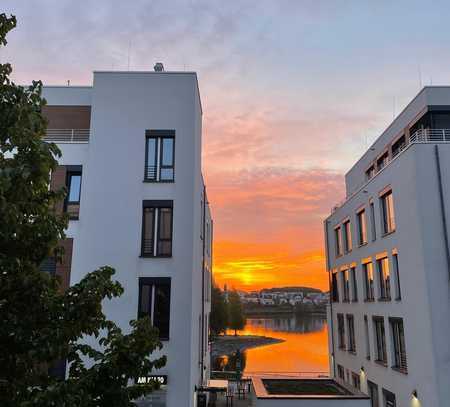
[[384, 278], [368, 282], [351, 334], [157, 223], [387, 212], [347, 236], [334, 288], [366, 334], [154, 302], [398, 291], [380, 340], [341, 331], [354, 284], [160, 156], [373, 393], [389, 399], [73, 185], [338, 241], [398, 345], [362, 228], [345, 286]]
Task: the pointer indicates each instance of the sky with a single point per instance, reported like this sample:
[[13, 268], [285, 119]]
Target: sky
[[293, 92]]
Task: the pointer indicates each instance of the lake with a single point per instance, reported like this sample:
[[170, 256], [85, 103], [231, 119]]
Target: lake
[[305, 346]]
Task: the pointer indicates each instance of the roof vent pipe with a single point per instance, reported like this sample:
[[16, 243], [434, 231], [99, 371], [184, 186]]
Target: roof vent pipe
[[159, 67]]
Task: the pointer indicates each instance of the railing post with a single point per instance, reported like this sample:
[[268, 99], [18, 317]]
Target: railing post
[[73, 130]]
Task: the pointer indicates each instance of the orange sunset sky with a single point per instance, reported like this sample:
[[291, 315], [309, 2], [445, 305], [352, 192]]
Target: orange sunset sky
[[293, 92]]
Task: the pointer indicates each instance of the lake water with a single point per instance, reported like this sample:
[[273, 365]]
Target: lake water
[[305, 346]]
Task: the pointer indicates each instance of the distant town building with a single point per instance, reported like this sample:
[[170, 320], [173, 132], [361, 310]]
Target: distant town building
[[387, 249]]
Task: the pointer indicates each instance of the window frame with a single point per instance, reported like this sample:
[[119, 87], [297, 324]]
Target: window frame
[[373, 223], [396, 272], [338, 241], [334, 286], [159, 136], [386, 207], [351, 333], [347, 236], [341, 331], [345, 285], [380, 347], [367, 336], [398, 348], [372, 388], [369, 288], [354, 283], [155, 282], [361, 220], [156, 206], [73, 171], [387, 393], [384, 279]]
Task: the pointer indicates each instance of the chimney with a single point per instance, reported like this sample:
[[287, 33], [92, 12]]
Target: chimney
[[159, 67]]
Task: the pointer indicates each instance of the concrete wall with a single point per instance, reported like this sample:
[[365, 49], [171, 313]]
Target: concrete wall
[[108, 231], [424, 306]]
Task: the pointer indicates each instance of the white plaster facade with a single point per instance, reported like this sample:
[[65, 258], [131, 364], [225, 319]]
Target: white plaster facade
[[123, 106], [419, 178]]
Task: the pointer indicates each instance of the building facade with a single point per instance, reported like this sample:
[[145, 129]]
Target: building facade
[[131, 161], [387, 249]]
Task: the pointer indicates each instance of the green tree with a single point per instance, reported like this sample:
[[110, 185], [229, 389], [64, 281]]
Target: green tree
[[39, 324], [235, 312], [219, 312]]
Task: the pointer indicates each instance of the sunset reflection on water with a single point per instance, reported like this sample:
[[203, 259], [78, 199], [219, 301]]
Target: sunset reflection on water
[[305, 346]]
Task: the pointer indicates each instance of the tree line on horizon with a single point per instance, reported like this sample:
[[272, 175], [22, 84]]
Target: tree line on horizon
[[226, 312]]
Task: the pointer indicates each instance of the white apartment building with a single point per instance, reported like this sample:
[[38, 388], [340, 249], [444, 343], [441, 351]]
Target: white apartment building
[[131, 160], [387, 249]]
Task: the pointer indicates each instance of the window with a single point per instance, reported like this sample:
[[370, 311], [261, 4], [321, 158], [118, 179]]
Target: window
[[341, 331], [388, 399], [384, 278], [366, 332], [341, 372], [351, 334], [345, 286], [347, 236], [398, 146], [373, 393], [338, 241], [154, 302], [387, 212], [334, 287], [398, 345], [382, 161], [380, 340], [159, 156], [48, 265], [398, 291], [356, 381], [372, 222], [157, 223], [73, 185], [370, 172], [354, 284], [362, 230], [368, 281]]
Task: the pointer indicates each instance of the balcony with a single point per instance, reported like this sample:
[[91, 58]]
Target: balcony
[[67, 136], [430, 136], [420, 136]]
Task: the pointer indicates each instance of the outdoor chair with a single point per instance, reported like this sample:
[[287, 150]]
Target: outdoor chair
[[229, 397]]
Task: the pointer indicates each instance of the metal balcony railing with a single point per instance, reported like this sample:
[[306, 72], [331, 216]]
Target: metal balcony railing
[[150, 172], [430, 136], [79, 136], [147, 247]]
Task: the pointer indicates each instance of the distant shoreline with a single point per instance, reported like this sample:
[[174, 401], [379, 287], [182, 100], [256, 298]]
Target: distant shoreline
[[228, 344]]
